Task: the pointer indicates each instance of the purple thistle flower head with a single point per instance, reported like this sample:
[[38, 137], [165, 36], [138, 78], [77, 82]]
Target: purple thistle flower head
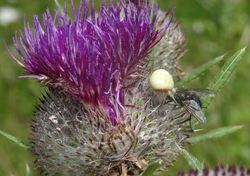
[[92, 58], [100, 116], [221, 170]]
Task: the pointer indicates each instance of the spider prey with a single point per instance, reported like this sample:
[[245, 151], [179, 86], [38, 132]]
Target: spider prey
[[187, 101]]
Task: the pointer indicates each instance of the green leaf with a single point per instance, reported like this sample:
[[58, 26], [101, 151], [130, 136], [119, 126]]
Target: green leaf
[[198, 71], [225, 73], [28, 170], [227, 70], [151, 169], [217, 133], [13, 139], [193, 161]]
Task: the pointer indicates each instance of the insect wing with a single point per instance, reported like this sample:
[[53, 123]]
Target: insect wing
[[194, 109], [202, 92]]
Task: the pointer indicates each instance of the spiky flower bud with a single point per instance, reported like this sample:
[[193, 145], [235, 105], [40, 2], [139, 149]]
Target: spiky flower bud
[[220, 171], [100, 115]]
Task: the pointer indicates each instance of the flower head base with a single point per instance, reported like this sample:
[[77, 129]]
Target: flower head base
[[70, 138]]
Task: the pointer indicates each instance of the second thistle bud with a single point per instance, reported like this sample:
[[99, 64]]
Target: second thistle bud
[[161, 80]]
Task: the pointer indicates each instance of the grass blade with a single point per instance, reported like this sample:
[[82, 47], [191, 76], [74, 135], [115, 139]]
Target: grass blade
[[213, 134], [13, 139], [193, 161], [58, 5], [225, 73], [153, 9], [198, 71], [151, 169], [227, 70], [28, 171]]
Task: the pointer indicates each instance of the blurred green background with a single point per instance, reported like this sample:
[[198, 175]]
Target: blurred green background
[[212, 28]]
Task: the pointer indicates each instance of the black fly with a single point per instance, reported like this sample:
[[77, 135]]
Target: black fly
[[189, 99]]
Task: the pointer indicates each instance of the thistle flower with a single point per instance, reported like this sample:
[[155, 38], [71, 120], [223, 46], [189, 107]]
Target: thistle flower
[[219, 171], [68, 53], [100, 116]]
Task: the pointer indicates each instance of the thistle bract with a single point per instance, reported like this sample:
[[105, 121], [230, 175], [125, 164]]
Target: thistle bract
[[70, 138]]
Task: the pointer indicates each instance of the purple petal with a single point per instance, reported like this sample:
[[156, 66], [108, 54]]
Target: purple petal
[[91, 58]]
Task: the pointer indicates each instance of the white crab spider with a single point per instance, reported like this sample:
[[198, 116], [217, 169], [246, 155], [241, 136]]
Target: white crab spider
[[161, 80]]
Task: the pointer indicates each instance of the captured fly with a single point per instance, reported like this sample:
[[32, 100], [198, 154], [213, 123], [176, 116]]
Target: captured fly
[[190, 100], [187, 100]]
